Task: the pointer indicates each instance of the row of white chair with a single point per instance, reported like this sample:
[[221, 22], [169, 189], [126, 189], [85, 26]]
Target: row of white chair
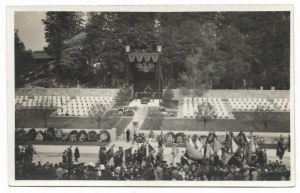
[[190, 106], [248, 99]]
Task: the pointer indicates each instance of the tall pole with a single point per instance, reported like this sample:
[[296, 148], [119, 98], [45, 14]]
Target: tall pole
[[158, 84], [127, 49], [159, 74]]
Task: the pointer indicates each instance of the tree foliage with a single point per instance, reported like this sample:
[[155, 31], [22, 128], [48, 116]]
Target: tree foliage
[[200, 50], [205, 112], [23, 61], [59, 27], [263, 115], [97, 112]]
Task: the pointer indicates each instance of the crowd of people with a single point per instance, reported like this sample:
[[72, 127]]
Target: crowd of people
[[202, 171], [143, 164]]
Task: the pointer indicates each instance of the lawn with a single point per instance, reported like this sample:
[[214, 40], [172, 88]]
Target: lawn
[[34, 119], [243, 122], [173, 104]]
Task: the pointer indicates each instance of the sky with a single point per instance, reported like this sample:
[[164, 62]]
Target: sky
[[31, 29]]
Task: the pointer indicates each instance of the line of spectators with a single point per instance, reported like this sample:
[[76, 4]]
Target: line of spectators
[[153, 169]]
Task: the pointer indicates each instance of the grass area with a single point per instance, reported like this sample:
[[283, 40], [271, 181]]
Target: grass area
[[34, 119], [243, 122], [121, 125], [172, 104]]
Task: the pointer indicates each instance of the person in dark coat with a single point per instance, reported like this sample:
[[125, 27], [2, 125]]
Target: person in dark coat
[[134, 137], [64, 157], [76, 154], [128, 135], [70, 155], [280, 149]]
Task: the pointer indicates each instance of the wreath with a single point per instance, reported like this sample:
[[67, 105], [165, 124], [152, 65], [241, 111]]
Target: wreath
[[141, 138], [50, 134], [59, 134], [92, 136], [72, 138], [169, 137], [104, 136], [39, 136], [31, 134], [82, 136], [73, 135], [180, 138], [65, 136]]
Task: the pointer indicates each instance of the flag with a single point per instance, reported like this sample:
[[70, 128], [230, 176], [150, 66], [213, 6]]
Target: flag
[[217, 146], [175, 150], [234, 146], [193, 152], [209, 151], [199, 145], [110, 153], [151, 149], [228, 140], [251, 147], [252, 144], [226, 157], [128, 155]]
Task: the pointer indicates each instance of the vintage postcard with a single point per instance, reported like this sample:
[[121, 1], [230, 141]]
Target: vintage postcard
[[151, 95]]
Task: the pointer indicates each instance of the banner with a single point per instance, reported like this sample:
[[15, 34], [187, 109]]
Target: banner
[[175, 150], [251, 148], [143, 56], [151, 149], [193, 152], [226, 157], [128, 155], [199, 145], [217, 146], [234, 146], [147, 57], [209, 151], [110, 153]]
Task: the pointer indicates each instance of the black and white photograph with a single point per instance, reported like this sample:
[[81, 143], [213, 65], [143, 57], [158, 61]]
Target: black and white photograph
[[150, 97]]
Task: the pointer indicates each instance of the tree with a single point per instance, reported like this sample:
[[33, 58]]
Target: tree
[[124, 95], [23, 61], [205, 113], [109, 33], [263, 115], [74, 60], [97, 112], [46, 111], [167, 96], [59, 27]]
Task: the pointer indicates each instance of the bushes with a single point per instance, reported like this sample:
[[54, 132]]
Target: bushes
[[124, 94], [167, 97]]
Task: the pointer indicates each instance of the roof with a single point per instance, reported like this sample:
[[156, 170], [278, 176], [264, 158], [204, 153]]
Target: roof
[[40, 55]]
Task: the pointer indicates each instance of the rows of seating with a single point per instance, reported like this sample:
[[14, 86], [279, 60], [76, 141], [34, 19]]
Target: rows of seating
[[249, 104], [282, 104], [82, 105], [67, 106], [190, 106], [42, 101]]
